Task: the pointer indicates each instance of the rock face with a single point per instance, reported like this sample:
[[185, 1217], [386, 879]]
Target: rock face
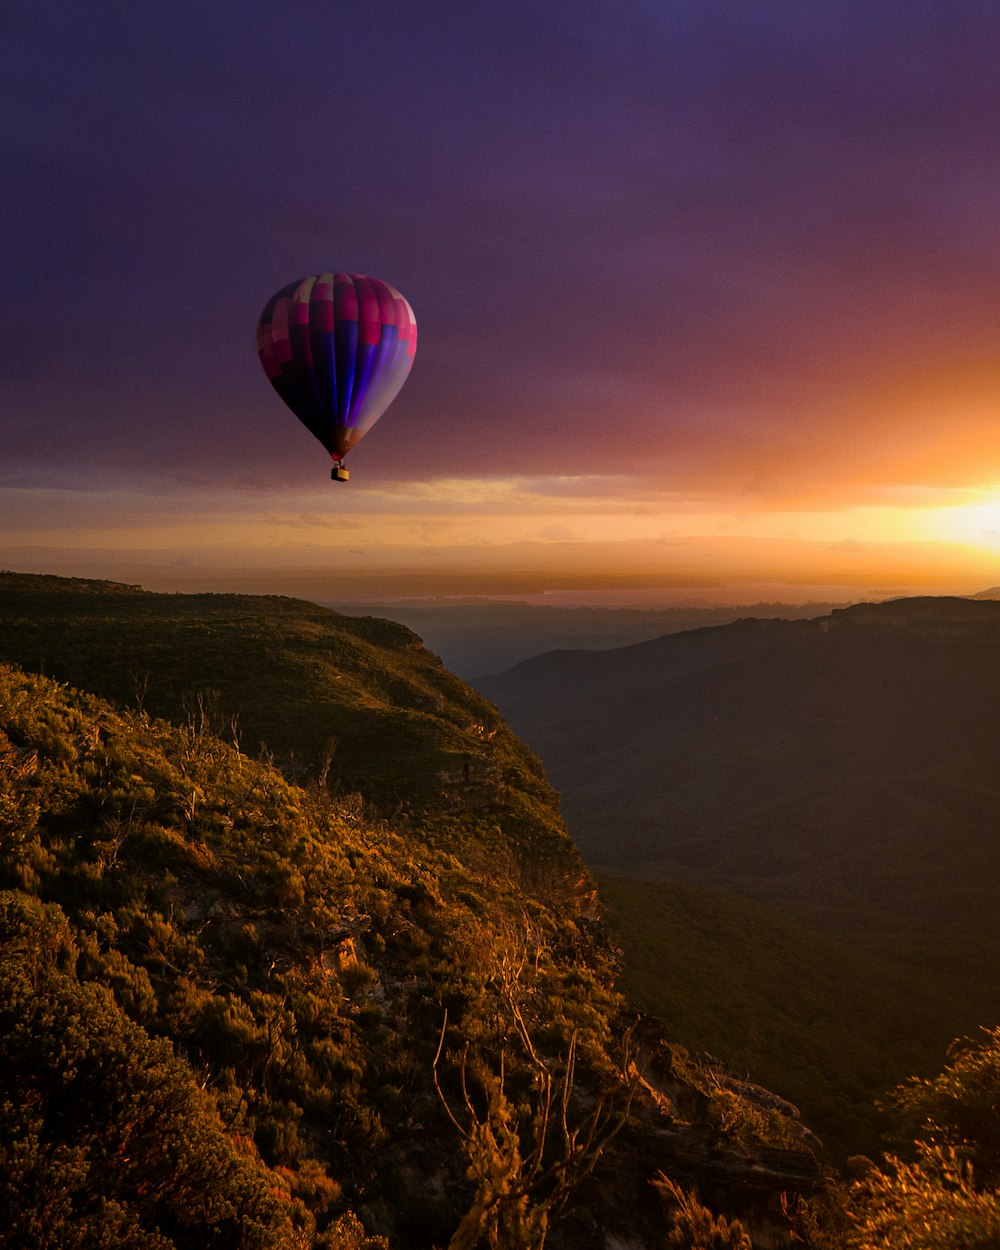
[[381, 968], [697, 1107]]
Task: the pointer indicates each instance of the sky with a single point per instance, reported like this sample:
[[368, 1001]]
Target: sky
[[707, 293]]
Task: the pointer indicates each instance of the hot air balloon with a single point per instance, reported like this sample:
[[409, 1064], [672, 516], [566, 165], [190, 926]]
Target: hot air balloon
[[337, 348]]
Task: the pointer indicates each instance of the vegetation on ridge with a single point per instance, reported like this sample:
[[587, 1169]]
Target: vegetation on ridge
[[287, 953], [357, 697]]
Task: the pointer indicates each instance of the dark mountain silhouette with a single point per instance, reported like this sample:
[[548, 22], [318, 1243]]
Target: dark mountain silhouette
[[843, 768], [843, 772], [485, 636]]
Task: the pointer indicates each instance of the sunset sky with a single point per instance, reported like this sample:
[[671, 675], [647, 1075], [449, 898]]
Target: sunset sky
[[708, 293]]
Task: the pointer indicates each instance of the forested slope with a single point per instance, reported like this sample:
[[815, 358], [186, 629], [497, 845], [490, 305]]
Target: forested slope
[[843, 769], [841, 772]]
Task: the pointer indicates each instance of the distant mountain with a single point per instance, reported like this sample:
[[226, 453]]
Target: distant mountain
[[843, 768], [843, 772], [342, 991], [486, 636]]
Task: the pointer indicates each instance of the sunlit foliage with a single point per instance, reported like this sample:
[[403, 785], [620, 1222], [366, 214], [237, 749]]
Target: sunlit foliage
[[948, 1196], [693, 1226], [297, 951]]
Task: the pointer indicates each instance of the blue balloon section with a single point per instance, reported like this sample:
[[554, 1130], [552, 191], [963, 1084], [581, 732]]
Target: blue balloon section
[[337, 349]]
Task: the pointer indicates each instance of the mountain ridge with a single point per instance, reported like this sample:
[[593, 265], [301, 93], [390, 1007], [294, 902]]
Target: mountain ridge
[[733, 693]]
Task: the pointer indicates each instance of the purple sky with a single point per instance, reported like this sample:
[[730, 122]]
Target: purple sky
[[730, 250]]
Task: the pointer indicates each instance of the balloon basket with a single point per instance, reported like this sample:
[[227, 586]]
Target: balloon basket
[[339, 474]]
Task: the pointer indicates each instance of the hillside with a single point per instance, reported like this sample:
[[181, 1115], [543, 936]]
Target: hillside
[[841, 772], [354, 699], [243, 1008], [842, 769]]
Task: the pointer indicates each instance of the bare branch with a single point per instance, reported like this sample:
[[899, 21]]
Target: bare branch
[[437, 1084]]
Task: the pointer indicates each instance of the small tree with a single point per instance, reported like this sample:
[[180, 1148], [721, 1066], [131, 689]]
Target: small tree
[[948, 1198], [525, 1158], [960, 1108]]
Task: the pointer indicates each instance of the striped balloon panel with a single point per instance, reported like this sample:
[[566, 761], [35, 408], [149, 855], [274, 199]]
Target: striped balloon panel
[[337, 348]]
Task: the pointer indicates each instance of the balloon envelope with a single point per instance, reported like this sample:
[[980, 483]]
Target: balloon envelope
[[337, 348]]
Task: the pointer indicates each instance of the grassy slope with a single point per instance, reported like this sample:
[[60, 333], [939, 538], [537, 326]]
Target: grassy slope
[[294, 946], [298, 954]]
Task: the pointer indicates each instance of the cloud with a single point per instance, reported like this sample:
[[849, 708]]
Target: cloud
[[557, 534], [309, 521]]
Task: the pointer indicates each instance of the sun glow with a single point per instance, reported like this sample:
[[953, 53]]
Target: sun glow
[[883, 541], [976, 523]]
